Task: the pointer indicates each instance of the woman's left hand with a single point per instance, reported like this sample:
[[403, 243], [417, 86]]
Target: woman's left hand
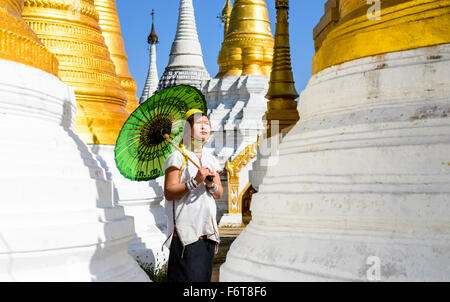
[[216, 181], [210, 183]]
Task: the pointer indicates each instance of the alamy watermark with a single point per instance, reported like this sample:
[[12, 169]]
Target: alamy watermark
[[374, 11], [374, 271], [224, 140]]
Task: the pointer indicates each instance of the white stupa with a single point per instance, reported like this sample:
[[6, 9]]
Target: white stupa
[[151, 83], [361, 191], [186, 59], [140, 200], [58, 220]]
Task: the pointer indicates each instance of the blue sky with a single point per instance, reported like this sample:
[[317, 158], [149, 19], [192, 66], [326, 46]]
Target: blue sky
[[136, 22]]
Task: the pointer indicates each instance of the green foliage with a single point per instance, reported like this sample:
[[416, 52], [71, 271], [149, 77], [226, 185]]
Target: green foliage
[[155, 274]]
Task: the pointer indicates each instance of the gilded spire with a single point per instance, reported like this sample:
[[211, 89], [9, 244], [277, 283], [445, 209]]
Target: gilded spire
[[248, 43], [151, 84], [186, 59], [225, 17], [282, 93], [70, 30], [19, 43], [110, 25]]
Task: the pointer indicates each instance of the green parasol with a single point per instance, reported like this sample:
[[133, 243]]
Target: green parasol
[[154, 130]]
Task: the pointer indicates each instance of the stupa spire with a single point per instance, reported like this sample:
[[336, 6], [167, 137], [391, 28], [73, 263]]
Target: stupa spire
[[110, 26], [282, 93], [151, 84], [153, 37], [225, 17], [186, 59]]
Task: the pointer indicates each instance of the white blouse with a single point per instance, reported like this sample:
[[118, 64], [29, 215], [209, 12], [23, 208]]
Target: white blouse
[[195, 212]]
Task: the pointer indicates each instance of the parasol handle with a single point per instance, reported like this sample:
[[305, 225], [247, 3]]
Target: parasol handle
[[166, 136]]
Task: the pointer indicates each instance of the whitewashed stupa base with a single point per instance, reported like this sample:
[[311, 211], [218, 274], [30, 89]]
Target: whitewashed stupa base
[[267, 156], [151, 84], [361, 190], [231, 220], [58, 221], [236, 107], [144, 202]]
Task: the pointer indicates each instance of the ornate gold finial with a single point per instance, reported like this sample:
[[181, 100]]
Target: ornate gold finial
[[153, 37], [71, 31], [248, 44], [19, 43], [110, 25], [225, 17], [282, 93], [348, 30]]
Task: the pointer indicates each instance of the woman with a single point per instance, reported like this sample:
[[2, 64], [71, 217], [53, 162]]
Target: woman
[[191, 206]]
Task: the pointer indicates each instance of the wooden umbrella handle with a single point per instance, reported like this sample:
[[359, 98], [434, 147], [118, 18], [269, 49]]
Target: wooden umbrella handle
[[166, 136]]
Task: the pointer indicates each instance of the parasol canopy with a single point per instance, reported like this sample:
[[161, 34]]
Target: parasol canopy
[[154, 130]]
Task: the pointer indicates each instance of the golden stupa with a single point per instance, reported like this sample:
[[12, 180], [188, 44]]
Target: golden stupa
[[110, 25], [350, 29], [248, 44], [282, 93], [19, 43], [70, 29]]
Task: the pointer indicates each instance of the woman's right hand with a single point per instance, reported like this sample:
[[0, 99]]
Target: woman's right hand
[[201, 175]]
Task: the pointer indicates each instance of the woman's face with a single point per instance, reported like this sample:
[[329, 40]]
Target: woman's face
[[201, 128]]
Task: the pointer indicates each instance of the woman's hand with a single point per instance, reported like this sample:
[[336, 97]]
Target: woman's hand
[[216, 180], [208, 183], [201, 175]]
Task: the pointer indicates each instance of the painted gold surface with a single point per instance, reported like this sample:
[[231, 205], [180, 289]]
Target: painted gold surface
[[248, 44], [282, 93], [70, 30], [110, 25], [226, 15], [19, 43], [347, 32]]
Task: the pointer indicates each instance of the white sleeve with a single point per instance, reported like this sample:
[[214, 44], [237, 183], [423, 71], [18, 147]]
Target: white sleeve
[[174, 160]]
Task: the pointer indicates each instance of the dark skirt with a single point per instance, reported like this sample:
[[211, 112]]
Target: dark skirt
[[194, 264]]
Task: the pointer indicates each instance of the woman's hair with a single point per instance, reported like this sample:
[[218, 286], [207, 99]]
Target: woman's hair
[[192, 117]]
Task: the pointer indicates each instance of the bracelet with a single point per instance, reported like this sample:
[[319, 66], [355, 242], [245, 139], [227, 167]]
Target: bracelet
[[194, 183], [191, 184], [214, 189]]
